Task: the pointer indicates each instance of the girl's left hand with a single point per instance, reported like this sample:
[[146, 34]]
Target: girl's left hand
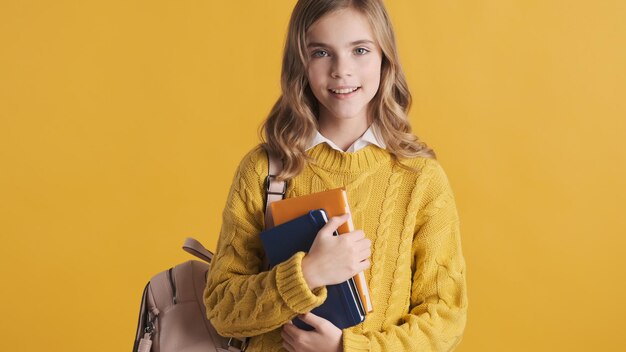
[[325, 338]]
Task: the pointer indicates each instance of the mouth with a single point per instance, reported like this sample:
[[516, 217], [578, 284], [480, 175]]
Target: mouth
[[346, 90]]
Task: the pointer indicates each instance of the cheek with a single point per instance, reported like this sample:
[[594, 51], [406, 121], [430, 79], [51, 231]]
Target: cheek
[[373, 75], [374, 69], [315, 75]]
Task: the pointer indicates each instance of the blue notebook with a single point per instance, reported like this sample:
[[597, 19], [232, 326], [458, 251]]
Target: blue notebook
[[343, 305]]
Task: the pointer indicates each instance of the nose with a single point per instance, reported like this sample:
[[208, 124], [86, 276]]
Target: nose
[[341, 67]]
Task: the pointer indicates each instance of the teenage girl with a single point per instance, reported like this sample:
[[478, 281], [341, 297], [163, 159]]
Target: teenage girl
[[341, 121]]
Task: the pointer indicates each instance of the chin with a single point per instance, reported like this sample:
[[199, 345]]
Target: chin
[[345, 114]]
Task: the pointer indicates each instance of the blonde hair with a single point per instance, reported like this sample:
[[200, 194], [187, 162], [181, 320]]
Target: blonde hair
[[292, 121]]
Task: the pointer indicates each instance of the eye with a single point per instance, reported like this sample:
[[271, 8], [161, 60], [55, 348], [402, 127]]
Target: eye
[[361, 51], [320, 53]]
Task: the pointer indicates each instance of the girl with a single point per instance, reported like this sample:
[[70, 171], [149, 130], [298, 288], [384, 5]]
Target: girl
[[341, 121]]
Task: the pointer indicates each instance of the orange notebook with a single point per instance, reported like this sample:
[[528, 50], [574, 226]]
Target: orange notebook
[[335, 203]]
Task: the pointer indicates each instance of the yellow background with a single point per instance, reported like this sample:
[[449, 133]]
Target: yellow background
[[122, 122]]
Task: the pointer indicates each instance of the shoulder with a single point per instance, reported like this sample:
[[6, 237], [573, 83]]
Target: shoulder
[[252, 167], [427, 169], [254, 160], [431, 176]]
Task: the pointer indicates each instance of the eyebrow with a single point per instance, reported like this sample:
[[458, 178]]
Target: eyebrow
[[362, 41]]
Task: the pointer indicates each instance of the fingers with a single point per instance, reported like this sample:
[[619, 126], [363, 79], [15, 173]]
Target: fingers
[[365, 253], [288, 347], [357, 235], [289, 335], [360, 247], [363, 243], [295, 339], [333, 224], [286, 334], [357, 239]]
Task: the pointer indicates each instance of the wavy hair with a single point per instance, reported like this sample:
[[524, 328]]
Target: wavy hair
[[292, 120]]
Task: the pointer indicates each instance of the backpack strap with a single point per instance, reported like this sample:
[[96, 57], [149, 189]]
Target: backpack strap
[[196, 248], [274, 190]]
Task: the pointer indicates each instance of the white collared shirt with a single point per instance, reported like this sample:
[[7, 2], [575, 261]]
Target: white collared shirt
[[371, 136]]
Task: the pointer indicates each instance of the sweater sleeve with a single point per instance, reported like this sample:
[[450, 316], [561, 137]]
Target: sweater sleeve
[[241, 301], [438, 302]]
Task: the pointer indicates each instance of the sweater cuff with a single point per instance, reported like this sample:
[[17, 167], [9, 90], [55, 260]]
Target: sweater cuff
[[355, 342], [294, 289]]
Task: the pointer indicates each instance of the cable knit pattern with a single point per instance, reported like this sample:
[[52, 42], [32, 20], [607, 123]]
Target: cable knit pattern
[[417, 276]]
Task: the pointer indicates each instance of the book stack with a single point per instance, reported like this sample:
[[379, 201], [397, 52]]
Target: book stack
[[297, 221]]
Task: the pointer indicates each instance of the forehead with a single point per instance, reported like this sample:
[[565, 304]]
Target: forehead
[[340, 28]]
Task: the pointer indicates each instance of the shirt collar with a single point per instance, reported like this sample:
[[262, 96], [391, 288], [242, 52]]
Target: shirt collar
[[371, 136]]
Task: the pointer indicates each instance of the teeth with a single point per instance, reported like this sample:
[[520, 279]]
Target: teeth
[[344, 91]]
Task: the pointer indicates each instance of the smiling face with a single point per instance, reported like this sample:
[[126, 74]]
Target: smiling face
[[344, 64]]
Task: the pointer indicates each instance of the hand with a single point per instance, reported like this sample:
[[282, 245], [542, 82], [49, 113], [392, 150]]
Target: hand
[[325, 338], [334, 259]]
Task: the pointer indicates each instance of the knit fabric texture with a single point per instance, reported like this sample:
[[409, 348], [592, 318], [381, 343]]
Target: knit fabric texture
[[417, 274]]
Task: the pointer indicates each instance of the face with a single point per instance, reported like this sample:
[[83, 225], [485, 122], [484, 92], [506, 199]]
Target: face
[[344, 64]]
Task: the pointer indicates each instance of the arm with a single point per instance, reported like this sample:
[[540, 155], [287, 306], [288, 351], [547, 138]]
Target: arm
[[240, 300], [438, 302]]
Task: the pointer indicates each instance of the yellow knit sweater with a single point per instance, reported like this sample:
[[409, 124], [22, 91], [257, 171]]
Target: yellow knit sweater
[[417, 273]]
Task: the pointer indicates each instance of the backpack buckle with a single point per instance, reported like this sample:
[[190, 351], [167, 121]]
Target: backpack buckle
[[238, 344], [268, 183]]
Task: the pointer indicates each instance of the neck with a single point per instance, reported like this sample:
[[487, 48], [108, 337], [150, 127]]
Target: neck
[[343, 132]]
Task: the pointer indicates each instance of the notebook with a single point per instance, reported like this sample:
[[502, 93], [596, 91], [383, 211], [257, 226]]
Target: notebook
[[342, 306], [335, 203]]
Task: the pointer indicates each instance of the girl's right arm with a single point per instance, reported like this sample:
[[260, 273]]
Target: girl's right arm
[[241, 301]]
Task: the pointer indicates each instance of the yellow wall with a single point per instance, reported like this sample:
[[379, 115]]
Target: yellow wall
[[122, 122]]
